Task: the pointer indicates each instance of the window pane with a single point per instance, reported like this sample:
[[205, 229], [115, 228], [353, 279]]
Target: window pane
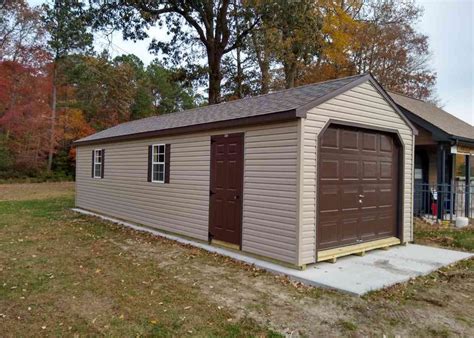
[[97, 170], [161, 158], [98, 157], [161, 171], [161, 149]]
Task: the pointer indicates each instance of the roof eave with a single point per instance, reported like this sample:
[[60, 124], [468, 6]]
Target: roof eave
[[463, 140], [280, 116]]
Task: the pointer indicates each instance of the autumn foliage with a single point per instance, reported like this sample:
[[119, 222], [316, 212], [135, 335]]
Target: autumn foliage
[[55, 88]]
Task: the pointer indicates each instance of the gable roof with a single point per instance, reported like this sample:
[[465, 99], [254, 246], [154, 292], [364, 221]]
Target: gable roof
[[277, 106], [435, 116]]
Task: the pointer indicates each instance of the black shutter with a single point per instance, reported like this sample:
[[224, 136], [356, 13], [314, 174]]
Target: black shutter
[[103, 163], [93, 160], [167, 163], [150, 155]]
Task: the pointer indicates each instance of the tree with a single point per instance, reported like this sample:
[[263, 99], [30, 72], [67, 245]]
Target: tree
[[142, 105], [22, 35], [168, 89], [207, 23], [392, 49], [24, 87], [260, 48], [104, 91], [67, 24], [292, 30], [22, 121], [339, 40]]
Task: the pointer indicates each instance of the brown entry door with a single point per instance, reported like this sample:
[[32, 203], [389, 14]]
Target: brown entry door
[[358, 186], [226, 187]]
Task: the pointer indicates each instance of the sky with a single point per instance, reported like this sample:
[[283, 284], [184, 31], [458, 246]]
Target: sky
[[448, 25]]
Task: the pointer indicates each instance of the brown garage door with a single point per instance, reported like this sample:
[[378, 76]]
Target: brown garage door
[[227, 167], [358, 186]]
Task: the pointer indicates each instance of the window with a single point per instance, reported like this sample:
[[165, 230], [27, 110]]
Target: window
[[98, 163], [158, 163], [159, 156]]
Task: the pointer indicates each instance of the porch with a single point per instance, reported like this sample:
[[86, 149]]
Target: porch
[[443, 185]]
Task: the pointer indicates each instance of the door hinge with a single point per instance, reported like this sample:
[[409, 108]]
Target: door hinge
[[211, 192]]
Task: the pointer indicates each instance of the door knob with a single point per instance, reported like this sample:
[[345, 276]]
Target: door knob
[[360, 201]]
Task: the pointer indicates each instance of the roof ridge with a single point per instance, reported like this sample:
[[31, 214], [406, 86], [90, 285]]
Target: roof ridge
[[302, 86], [272, 93], [285, 100], [407, 96], [248, 97]]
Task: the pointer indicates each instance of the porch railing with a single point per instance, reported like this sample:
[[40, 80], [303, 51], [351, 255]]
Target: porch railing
[[443, 201]]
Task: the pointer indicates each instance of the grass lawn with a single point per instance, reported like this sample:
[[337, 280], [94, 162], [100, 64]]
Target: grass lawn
[[67, 274], [451, 237]]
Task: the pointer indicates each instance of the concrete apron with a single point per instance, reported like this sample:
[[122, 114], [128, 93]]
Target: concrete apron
[[352, 274]]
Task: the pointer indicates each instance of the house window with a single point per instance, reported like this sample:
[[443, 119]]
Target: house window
[[159, 156], [98, 162], [158, 163]]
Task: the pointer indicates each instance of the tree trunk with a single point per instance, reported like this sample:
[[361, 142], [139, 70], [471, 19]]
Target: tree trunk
[[240, 75], [215, 76], [290, 74], [53, 119], [263, 62]]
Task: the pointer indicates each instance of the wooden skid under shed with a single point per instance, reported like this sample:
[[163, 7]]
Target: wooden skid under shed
[[357, 249]]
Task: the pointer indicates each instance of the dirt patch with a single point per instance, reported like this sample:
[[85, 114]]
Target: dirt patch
[[431, 304], [35, 191]]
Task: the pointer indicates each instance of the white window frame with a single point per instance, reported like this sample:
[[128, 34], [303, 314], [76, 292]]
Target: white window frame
[[153, 162], [98, 154]]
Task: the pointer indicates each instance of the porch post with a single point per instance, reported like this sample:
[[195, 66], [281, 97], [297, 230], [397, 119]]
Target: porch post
[[441, 176], [451, 186], [467, 200]]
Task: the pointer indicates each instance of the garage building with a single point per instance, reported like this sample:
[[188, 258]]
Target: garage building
[[298, 176]]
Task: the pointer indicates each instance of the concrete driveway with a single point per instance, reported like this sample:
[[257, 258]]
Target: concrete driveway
[[379, 268], [352, 274]]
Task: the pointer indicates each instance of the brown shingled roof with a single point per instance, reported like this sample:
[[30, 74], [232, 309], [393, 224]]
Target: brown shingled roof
[[278, 106], [435, 116]]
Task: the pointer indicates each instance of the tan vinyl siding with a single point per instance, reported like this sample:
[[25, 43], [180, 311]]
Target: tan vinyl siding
[[364, 105], [269, 215], [182, 206]]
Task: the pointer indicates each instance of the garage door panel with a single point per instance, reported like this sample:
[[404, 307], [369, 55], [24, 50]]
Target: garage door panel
[[358, 186], [348, 230], [349, 139], [329, 169], [328, 229], [386, 198], [349, 200], [369, 142], [350, 170], [370, 222], [386, 170], [330, 139], [370, 198], [329, 199], [386, 143]]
